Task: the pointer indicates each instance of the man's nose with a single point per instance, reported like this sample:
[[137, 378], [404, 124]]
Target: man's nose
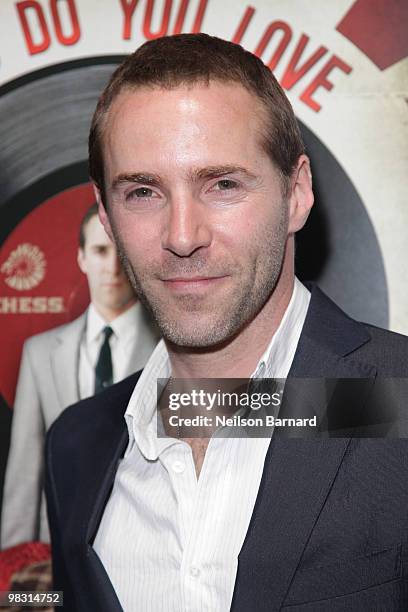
[[187, 227], [114, 264]]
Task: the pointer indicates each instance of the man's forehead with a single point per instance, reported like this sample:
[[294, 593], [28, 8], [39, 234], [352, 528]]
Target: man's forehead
[[189, 127], [184, 97]]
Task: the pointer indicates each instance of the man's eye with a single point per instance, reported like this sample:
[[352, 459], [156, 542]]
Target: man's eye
[[225, 184], [141, 192]]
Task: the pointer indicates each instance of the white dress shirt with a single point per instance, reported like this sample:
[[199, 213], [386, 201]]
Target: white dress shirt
[[126, 328], [169, 541]]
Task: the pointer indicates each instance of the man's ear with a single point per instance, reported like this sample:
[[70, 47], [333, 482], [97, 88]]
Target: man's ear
[[81, 260], [301, 195], [102, 214]]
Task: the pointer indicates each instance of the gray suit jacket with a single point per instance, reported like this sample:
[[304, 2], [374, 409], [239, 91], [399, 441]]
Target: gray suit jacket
[[47, 384]]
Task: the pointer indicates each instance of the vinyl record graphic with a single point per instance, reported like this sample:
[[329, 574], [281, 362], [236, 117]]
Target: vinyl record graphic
[[43, 175], [44, 193]]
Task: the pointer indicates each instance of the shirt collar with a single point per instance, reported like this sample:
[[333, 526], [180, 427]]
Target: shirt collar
[[124, 326], [94, 324], [141, 413], [278, 357]]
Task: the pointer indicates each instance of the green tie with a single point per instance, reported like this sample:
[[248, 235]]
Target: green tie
[[103, 368]]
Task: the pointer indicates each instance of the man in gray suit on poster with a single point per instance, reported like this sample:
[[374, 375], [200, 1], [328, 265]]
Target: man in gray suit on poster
[[111, 340]]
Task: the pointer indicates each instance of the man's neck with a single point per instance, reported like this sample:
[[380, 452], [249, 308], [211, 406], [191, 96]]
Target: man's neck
[[110, 314], [239, 357]]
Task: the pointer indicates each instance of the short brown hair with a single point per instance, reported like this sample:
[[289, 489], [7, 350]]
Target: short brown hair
[[189, 58], [91, 212]]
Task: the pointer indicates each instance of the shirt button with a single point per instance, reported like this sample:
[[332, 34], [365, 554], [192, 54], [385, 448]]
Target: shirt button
[[179, 467], [194, 571], [261, 370]]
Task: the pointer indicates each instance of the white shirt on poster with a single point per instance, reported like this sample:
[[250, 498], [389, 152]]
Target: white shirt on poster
[[125, 327]]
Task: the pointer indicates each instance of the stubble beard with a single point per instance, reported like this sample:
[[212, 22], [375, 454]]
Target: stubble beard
[[226, 320]]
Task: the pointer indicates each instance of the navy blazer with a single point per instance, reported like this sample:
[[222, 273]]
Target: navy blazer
[[329, 530]]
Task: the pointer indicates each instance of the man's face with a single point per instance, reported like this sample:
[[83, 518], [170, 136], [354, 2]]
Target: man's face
[[195, 206], [109, 288]]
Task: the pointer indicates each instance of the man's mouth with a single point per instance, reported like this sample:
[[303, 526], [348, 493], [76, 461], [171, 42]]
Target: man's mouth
[[112, 283], [192, 283]]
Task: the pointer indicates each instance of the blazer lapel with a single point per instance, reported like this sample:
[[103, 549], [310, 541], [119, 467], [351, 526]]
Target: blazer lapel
[[298, 474], [97, 496], [65, 361], [296, 480]]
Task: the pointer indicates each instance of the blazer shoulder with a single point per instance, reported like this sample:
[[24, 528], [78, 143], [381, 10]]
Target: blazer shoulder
[[385, 336], [388, 350], [47, 338], [333, 344]]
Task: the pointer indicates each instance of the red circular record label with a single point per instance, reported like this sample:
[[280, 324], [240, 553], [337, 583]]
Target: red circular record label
[[41, 285]]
